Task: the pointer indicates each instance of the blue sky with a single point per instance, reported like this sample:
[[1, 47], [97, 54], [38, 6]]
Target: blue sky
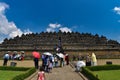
[[88, 16]]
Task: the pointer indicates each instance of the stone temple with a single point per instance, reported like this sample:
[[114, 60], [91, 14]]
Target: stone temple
[[73, 43]]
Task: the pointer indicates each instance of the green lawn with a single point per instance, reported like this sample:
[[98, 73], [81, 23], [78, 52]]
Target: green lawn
[[8, 75], [108, 74]]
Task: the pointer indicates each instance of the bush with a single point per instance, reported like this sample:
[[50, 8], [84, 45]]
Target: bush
[[28, 71], [25, 75], [89, 74], [104, 67], [88, 71]]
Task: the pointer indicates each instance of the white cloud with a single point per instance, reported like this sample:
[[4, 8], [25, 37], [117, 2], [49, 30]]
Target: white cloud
[[65, 29], [117, 10], [52, 27], [56, 27], [15, 33], [27, 32], [50, 30], [3, 6], [8, 29]]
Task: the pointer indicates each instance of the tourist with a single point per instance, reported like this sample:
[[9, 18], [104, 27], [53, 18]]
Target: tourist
[[67, 59], [10, 56], [50, 64], [41, 74], [36, 63], [56, 61], [6, 58], [93, 60], [43, 57], [61, 62], [88, 60], [22, 55], [36, 56], [46, 63], [79, 65]]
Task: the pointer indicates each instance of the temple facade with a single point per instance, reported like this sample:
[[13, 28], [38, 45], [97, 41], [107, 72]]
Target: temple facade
[[72, 43]]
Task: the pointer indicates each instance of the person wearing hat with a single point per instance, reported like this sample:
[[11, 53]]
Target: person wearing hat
[[6, 58]]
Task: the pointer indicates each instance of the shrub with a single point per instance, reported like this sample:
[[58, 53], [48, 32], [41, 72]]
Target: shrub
[[25, 75], [88, 71], [28, 71], [89, 74], [104, 67]]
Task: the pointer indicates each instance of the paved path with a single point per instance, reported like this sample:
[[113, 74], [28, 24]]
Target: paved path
[[64, 73]]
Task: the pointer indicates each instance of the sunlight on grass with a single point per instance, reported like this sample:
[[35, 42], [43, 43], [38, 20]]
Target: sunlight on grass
[[108, 75], [8, 75]]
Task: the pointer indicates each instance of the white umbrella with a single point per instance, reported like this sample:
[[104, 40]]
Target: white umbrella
[[60, 55], [15, 52], [80, 64], [47, 53], [22, 52]]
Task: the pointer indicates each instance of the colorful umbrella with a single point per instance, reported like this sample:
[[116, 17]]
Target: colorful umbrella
[[36, 54]]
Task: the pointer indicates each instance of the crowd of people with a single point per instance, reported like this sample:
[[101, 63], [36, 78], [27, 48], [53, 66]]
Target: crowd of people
[[49, 62], [13, 56], [52, 60]]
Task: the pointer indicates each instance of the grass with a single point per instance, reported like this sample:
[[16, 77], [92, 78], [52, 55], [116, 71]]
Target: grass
[[8, 75], [108, 74]]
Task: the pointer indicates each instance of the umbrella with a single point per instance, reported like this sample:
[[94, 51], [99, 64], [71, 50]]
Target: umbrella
[[60, 55], [15, 52], [80, 63], [36, 54], [22, 52], [47, 53]]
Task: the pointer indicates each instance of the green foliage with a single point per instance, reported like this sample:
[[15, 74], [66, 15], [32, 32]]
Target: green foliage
[[108, 74], [27, 72], [89, 71], [25, 75], [89, 74], [8, 75], [104, 67]]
